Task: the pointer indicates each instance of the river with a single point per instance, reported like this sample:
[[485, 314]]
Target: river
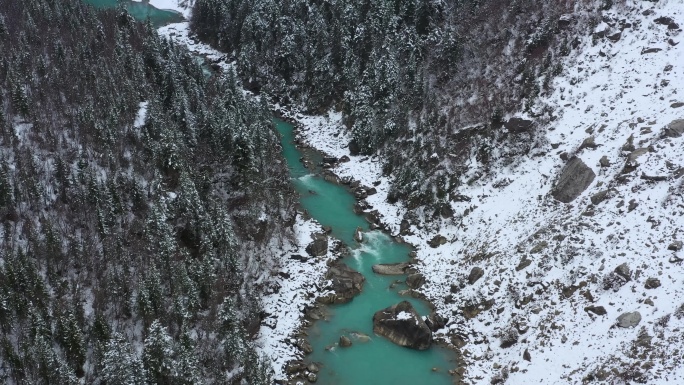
[[376, 361]]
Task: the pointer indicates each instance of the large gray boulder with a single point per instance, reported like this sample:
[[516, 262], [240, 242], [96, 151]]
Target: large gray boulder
[[346, 284], [629, 320], [574, 179], [402, 325], [391, 268]]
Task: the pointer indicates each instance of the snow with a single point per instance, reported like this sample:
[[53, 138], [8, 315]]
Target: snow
[[141, 116], [608, 90], [404, 316], [297, 292]]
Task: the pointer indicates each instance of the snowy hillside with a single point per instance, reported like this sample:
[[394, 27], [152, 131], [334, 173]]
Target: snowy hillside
[[551, 291]]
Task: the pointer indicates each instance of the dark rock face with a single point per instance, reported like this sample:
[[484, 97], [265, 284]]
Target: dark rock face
[[435, 321], [391, 268], [437, 241], [574, 179], [402, 325], [319, 247], [346, 284], [475, 274], [624, 271], [518, 125]]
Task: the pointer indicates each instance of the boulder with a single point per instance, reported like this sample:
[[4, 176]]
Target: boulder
[[415, 281], [346, 284], [402, 325], [629, 320], [437, 241], [475, 274], [319, 246], [391, 268], [361, 337], [624, 271], [358, 235], [675, 129], [574, 179], [518, 125], [676, 246], [598, 310], [435, 321], [345, 342], [652, 283]]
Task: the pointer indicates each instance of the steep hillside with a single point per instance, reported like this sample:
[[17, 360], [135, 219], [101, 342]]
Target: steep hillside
[[140, 205], [543, 257]]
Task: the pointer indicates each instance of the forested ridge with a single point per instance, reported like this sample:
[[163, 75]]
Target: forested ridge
[[129, 250], [426, 83]]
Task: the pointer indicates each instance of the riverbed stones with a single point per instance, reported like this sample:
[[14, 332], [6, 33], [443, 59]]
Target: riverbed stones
[[345, 342], [402, 325], [345, 284], [475, 274], [319, 246], [575, 177], [415, 281], [629, 319], [391, 268]]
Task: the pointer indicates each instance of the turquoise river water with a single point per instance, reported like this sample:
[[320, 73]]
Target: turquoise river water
[[378, 361], [374, 362]]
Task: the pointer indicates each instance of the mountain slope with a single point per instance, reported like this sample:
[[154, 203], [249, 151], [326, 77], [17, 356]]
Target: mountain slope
[[550, 268]]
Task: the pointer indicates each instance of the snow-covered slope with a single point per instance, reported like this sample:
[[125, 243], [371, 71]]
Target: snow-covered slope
[[550, 267]]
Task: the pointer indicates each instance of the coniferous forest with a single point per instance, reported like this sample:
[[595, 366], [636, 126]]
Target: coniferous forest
[[124, 172], [426, 83]]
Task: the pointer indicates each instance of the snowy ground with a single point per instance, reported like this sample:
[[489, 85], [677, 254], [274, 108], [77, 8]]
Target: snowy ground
[[182, 6], [611, 91]]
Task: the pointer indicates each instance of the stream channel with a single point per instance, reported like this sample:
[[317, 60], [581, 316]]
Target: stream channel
[[376, 361]]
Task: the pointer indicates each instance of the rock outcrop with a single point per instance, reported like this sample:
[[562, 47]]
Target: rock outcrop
[[346, 284], [574, 179], [391, 268], [402, 325]]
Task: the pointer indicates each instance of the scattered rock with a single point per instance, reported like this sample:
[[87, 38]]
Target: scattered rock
[[676, 246], [345, 342], [344, 159], [402, 325], [312, 377], [675, 129], [614, 37], [604, 162], [589, 142], [624, 271], [650, 50], [598, 310], [475, 274], [574, 179], [346, 284], [599, 197], [539, 247], [391, 268], [629, 320], [523, 264], [415, 281], [652, 283], [437, 241], [319, 246], [527, 356], [313, 367], [664, 20], [677, 105]]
